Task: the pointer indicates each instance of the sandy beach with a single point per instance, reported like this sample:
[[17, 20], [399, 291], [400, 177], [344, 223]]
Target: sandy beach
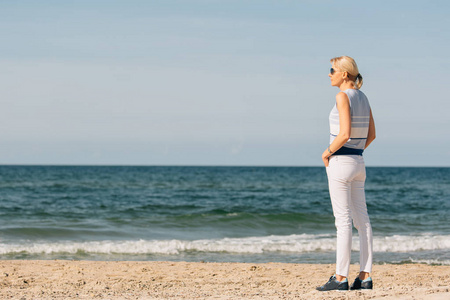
[[182, 280]]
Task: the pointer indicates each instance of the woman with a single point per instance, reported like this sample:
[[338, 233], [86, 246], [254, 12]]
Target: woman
[[352, 129]]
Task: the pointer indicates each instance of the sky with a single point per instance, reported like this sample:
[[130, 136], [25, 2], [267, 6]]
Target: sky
[[217, 82]]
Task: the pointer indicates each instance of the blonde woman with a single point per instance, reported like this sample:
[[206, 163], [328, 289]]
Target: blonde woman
[[352, 129]]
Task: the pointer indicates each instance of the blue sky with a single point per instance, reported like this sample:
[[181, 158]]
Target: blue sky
[[217, 82]]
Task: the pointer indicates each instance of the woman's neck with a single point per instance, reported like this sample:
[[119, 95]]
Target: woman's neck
[[347, 85]]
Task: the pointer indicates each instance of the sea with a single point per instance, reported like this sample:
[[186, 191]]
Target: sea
[[215, 214]]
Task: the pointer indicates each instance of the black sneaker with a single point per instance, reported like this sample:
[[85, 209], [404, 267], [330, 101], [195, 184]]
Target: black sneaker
[[333, 284], [362, 284]]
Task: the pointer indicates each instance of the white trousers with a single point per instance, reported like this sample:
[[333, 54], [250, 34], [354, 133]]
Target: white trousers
[[346, 178]]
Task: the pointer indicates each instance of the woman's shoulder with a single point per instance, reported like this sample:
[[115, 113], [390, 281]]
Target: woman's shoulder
[[342, 95], [342, 100], [354, 93]]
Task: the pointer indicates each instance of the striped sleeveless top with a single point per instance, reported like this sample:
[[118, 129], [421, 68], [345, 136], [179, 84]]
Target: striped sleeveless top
[[360, 114]]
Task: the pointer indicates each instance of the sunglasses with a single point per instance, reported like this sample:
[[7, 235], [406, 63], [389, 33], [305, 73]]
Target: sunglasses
[[332, 71]]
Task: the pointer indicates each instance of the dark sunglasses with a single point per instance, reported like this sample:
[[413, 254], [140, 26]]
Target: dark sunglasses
[[332, 71]]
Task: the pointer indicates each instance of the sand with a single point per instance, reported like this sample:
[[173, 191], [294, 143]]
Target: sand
[[181, 280]]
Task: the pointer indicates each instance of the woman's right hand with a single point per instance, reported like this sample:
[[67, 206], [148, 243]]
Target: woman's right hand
[[326, 158]]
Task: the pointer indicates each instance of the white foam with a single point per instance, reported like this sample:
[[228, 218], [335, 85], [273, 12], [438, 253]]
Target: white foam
[[430, 261], [291, 243], [402, 243]]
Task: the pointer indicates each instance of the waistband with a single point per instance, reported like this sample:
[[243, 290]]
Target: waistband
[[348, 151]]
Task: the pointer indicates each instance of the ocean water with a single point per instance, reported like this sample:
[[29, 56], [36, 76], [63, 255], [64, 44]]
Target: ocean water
[[232, 214]]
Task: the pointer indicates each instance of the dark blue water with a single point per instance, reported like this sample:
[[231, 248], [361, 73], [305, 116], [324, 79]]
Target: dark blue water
[[251, 214]]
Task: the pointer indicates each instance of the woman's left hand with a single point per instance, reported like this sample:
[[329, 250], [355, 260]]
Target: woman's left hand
[[325, 158]]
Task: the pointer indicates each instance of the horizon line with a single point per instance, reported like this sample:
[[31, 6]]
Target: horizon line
[[196, 166]]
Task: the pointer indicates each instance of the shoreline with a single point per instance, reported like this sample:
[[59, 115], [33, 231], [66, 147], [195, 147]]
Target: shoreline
[[60, 279]]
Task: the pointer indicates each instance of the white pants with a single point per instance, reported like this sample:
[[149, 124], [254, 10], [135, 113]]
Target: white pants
[[346, 177]]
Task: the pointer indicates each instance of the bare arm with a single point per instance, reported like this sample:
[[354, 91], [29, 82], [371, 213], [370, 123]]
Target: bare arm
[[345, 126], [371, 135]]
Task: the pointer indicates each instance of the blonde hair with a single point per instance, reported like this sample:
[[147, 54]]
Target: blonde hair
[[348, 64]]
